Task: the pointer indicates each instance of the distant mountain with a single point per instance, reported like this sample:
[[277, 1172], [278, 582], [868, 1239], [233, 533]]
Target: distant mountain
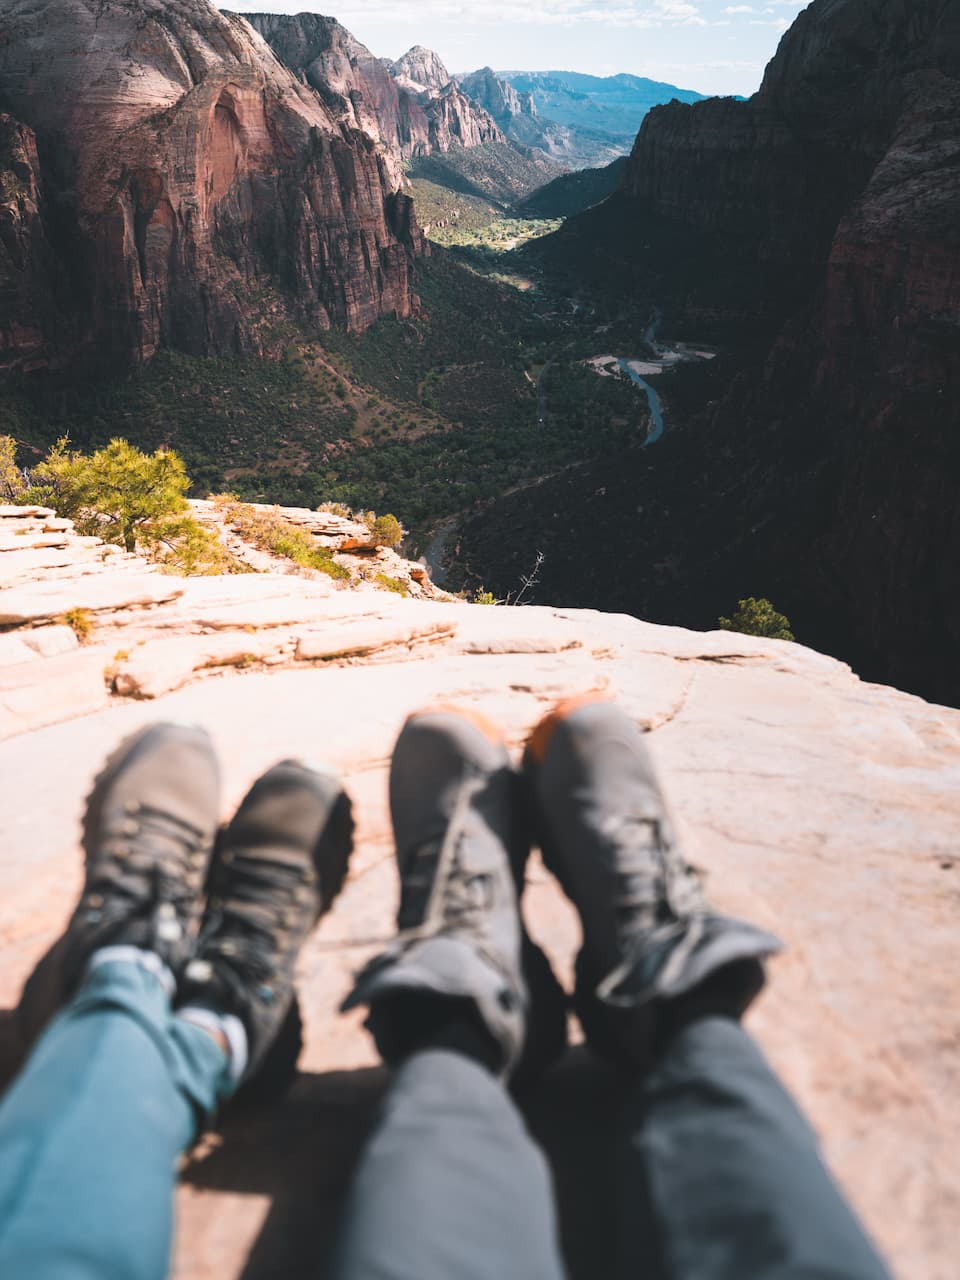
[[517, 116], [412, 107], [572, 193], [419, 70], [613, 106], [578, 120]]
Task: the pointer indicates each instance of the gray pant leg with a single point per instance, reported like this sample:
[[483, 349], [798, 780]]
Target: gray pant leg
[[450, 1187], [723, 1177]]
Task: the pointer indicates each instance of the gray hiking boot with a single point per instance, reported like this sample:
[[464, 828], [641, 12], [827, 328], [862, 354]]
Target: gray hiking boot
[[452, 800], [651, 942], [278, 867], [148, 830]]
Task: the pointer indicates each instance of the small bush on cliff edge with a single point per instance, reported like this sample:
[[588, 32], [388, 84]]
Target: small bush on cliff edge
[[758, 618], [118, 493], [387, 531], [124, 496], [270, 532], [12, 483]]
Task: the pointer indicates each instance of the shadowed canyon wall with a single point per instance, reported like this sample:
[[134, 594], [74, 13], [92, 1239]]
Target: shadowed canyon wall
[[814, 232]]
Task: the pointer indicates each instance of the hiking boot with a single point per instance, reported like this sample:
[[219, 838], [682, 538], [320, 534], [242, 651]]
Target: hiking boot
[[278, 867], [652, 945], [459, 849], [148, 830]]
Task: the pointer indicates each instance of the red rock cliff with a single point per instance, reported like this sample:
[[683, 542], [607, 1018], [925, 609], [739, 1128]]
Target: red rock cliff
[[192, 181], [412, 106]]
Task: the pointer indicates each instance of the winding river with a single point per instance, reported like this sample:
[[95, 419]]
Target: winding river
[[653, 400]]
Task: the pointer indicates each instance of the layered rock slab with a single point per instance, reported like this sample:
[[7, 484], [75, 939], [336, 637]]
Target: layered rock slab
[[820, 807]]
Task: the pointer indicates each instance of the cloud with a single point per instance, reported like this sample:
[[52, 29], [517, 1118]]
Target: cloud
[[644, 14], [740, 8]]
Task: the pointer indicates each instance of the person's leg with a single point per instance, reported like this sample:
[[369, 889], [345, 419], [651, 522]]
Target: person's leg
[[450, 1183], [115, 1088], [91, 1131], [722, 1177]]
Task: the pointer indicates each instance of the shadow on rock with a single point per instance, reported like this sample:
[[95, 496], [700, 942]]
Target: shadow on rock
[[302, 1153]]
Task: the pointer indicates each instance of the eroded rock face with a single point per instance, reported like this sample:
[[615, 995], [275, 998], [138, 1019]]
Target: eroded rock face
[[421, 69], [412, 107], [772, 181], [26, 259], [197, 183], [499, 96]]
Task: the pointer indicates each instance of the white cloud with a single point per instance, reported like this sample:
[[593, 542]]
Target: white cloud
[[649, 14]]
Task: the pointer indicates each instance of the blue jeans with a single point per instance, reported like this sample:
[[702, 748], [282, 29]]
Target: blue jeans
[[720, 1177], [93, 1128]]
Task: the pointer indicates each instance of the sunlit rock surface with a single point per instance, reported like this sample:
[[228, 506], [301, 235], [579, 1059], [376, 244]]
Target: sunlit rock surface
[[822, 808]]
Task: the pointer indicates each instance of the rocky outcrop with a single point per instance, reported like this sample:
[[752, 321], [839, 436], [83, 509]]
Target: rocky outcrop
[[420, 70], [411, 117], [819, 223], [821, 808], [145, 632], [193, 183], [516, 114], [498, 96]]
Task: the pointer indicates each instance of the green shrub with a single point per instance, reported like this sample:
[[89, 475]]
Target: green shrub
[[118, 494], [484, 597], [387, 531], [11, 478], [758, 618], [80, 622], [270, 532], [392, 584], [191, 549]]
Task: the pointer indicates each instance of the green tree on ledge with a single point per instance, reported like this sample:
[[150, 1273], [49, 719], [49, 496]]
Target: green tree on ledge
[[118, 494], [758, 618]]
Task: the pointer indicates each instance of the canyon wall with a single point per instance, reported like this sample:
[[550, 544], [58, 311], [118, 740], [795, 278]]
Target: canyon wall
[[813, 232], [190, 190], [412, 106]]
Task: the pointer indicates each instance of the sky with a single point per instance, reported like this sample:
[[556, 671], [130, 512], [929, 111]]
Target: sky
[[714, 46]]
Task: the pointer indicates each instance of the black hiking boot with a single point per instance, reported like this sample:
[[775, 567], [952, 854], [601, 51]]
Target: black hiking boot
[[279, 866], [148, 831], [654, 952], [456, 967]]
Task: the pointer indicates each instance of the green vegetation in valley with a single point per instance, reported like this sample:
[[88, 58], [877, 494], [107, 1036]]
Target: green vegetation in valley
[[425, 416], [498, 172], [572, 193], [758, 618], [497, 236], [444, 214]]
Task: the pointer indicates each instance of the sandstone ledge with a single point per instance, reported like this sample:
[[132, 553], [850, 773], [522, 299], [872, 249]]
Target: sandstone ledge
[[823, 808]]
